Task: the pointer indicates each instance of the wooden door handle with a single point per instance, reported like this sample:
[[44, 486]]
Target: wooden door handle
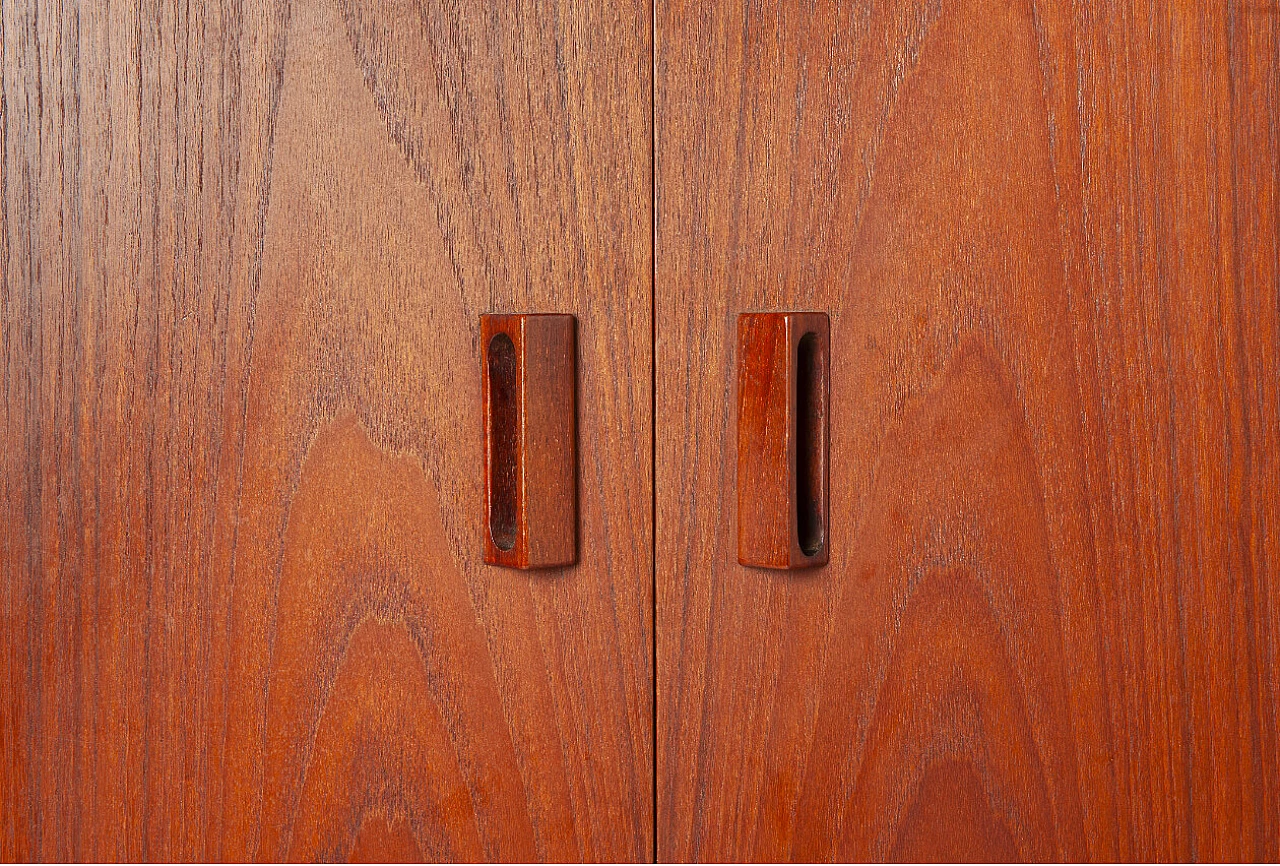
[[783, 388], [530, 447]]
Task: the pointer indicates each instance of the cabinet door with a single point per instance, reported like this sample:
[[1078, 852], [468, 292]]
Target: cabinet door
[[245, 610], [1046, 236]]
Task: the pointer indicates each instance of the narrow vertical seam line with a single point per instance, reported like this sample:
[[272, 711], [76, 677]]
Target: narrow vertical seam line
[[653, 409]]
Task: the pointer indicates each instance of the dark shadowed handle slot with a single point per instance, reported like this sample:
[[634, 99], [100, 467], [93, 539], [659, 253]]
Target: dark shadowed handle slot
[[811, 429], [504, 439]]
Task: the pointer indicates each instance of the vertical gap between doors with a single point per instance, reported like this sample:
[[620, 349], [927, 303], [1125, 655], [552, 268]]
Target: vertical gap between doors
[[653, 404]]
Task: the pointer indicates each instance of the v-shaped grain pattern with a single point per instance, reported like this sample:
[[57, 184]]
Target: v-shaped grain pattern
[[245, 613], [1047, 237]]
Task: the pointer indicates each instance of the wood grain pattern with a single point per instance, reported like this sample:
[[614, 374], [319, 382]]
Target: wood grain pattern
[[530, 451], [1047, 236], [245, 612], [781, 395]]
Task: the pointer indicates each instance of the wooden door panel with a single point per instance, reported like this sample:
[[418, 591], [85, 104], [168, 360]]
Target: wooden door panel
[[1046, 236], [246, 611]]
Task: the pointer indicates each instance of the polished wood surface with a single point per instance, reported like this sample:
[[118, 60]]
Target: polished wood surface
[[245, 611], [530, 451], [1047, 238], [782, 389]]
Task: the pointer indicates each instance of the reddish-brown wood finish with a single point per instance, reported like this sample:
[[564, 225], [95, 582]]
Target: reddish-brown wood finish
[[530, 452], [1046, 236], [244, 612], [782, 439]]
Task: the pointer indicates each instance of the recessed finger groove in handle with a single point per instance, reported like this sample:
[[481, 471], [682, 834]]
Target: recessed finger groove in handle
[[530, 439], [783, 392], [811, 443], [503, 404]]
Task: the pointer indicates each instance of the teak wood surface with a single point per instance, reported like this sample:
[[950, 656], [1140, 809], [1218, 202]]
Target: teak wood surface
[[1046, 235], [243, 607], [245, 611]]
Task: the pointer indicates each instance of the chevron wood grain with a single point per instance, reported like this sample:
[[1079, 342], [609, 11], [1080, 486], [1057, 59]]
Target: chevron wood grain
[[245, 610], [1047, 237]]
